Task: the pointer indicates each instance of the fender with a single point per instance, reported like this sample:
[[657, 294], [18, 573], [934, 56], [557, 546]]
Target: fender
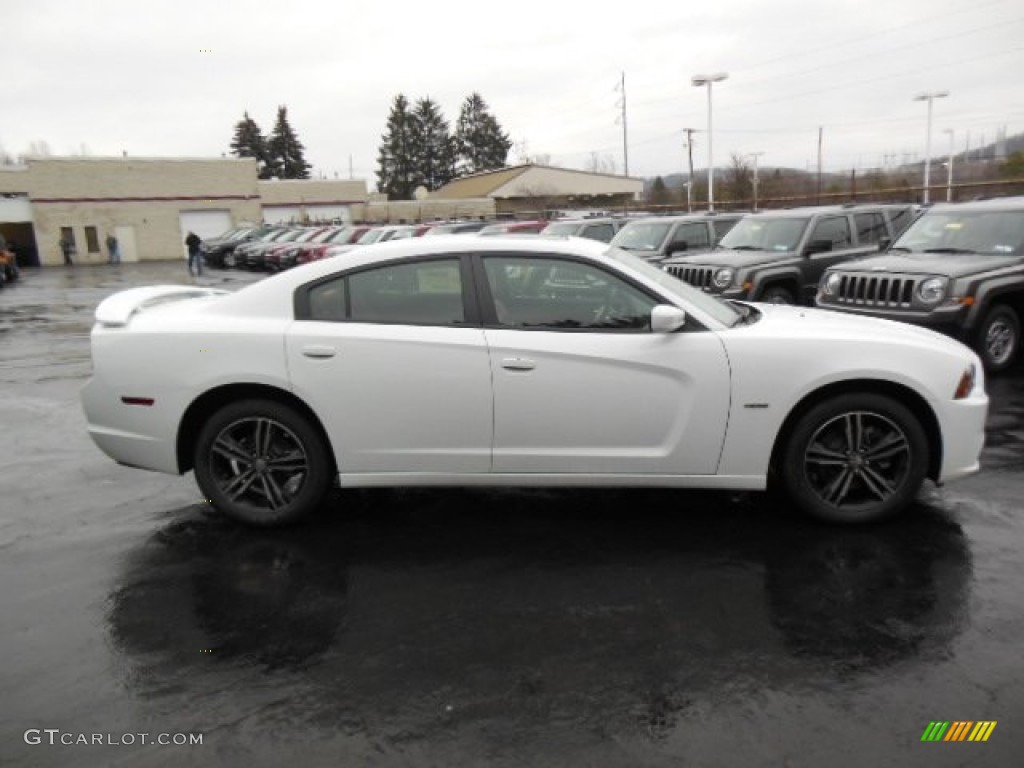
[[775, 274], [989, 290]]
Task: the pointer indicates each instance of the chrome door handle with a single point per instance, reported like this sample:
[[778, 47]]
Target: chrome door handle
[[318, 352], [518, 364]]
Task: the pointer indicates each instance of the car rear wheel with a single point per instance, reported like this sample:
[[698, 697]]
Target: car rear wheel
[[262, 462], [855, 458], [998, 339]]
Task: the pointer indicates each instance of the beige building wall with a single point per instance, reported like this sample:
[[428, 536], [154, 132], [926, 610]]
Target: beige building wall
[[414, 211], [312, 191], [146, 194]]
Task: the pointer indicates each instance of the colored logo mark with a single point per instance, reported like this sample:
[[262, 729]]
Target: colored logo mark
[[958, 730]]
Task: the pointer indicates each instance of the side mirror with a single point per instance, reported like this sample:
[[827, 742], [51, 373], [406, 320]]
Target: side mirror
[[665, 318], [818, 246], [679, 246], [884, 243]]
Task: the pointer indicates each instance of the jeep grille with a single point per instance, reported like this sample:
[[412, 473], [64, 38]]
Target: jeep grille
[[699, 277], [874, 291]]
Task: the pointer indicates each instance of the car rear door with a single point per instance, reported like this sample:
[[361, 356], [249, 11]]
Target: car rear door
[[393, 361]]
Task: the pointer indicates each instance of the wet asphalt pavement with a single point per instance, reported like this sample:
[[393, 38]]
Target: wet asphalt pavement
[[469, 628]]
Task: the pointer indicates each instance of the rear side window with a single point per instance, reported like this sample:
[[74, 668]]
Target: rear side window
[[721, 226], [835, 229], [870, 227], [420, 293], [694, 235], [600, 232]]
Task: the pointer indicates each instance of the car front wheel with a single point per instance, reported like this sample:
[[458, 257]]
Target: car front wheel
[[777, 295], [262, 462], [998, 339], [855, 458]]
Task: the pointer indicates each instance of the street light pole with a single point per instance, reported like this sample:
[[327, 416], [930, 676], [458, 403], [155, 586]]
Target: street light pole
[[949, 168], [702, 80], [756, 181], [930, 96]]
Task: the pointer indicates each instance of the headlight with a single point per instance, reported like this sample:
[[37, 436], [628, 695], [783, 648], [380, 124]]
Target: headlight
[[831, 285], [723, 277], [932, 290]]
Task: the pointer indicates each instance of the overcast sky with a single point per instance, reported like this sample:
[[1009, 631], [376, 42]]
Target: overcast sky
[[172, 77]]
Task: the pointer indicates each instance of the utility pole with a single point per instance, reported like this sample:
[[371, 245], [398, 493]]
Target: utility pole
[[350, 167], [689, 180], [821, 130], [621, 87], [756, 181]]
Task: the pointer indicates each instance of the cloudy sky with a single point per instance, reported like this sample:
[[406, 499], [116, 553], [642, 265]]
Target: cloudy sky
[[172, 77]]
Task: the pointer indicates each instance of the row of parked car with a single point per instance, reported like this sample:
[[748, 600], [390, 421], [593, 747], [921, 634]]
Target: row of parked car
[[958, 268]]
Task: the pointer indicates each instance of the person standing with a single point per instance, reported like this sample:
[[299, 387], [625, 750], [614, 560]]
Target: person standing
[[67, 248], [192, 242], [112, 249]]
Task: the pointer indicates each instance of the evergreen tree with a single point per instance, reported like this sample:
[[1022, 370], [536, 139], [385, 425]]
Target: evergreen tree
[[250, 142], [398, 174], [658, 194], [433, 149], [285, 153], [480, 142]]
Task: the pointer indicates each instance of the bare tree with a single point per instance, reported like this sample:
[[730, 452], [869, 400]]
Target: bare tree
[[739, 178], [601, 163]]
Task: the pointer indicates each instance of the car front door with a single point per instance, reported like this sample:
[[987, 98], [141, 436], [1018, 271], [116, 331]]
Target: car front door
[[395, 365], [581, 384]]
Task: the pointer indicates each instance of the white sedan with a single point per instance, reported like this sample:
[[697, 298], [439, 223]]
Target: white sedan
[[500, 361]]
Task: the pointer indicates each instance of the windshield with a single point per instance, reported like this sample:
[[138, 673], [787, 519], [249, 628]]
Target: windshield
[[642, 235], [984, 232], [765, 234], [561, 228], [716, 308], [370, 236]]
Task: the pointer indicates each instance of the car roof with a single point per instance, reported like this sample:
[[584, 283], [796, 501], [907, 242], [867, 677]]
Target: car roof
[[995, 204], [699, 216]]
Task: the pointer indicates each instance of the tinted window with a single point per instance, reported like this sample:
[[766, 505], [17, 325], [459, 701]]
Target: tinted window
[[422, 293], [694, 235], [835, 229], [721, 226], [601, 232], [900, 219], [642, 235], [765, 234], [870, 227], [531, 292]]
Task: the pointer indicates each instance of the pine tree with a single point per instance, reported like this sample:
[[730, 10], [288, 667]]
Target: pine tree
[[285, 153], [397, 174], [433, 149], [480, 142], [250, 142]]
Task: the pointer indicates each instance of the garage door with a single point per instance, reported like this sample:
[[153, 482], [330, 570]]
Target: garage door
[[282, 214], [206, 224]]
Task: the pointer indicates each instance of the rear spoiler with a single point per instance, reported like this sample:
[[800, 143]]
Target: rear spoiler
[[115, 311]]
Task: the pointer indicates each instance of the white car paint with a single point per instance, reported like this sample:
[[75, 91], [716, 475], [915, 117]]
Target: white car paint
[[414, 405]]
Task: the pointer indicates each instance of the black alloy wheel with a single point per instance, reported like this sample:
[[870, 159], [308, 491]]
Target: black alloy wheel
[[262, 462], [855, 458], [998, 339]]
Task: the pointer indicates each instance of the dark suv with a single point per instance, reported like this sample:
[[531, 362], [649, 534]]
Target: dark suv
[[779, 256], [660, 237], [958, 269]]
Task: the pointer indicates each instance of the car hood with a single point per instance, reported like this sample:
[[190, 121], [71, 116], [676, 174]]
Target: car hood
[[723, 257], [949, 264]]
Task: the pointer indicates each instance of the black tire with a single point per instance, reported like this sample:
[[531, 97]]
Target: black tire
[[855, 458], [261, 462], [776, 294], [998, 338]]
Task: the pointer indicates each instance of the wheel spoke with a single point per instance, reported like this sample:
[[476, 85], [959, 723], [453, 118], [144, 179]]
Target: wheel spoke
[[262, 436], [819, 454], [291, 461], [273, 493], [894, 443], [877, 484], [240, 484], [836, 492], [231, 449]]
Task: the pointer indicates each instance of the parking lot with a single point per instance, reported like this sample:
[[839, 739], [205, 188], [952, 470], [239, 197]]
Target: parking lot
[[461, 628]]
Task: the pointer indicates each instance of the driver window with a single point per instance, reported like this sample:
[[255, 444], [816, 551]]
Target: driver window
[[561, 294]]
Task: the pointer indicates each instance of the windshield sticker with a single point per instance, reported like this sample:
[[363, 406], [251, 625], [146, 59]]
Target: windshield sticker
[[955, 225]]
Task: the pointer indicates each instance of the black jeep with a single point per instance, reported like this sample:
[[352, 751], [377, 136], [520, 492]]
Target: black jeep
[[959, 269], [779, 256]]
